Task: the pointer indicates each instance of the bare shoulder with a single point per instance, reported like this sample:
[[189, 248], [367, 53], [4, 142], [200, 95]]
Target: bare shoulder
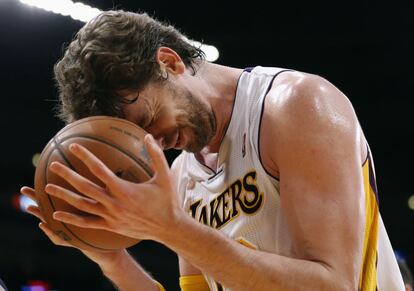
[[299, 95], [303, 107]]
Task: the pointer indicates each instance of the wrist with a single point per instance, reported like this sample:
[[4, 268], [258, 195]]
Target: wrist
[[108, 262], [126, 274], [179, 227]]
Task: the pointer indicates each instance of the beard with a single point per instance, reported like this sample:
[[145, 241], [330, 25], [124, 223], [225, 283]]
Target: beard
[[198, 117]]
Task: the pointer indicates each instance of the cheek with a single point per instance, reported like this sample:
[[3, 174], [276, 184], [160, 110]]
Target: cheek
[[182, 119], [166, 118], [163, 123], [188, 133]]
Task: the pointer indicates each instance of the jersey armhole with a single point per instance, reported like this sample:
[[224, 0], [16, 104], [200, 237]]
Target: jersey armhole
[[260, 122]]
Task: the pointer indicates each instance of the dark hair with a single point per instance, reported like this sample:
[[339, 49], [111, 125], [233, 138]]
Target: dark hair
[[114, 51]]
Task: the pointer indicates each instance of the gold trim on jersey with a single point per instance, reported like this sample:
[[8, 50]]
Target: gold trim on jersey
[[193, 283], [368, 273], [241, 240]]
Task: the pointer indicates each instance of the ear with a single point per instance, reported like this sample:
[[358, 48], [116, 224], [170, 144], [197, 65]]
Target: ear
[[169, 60]]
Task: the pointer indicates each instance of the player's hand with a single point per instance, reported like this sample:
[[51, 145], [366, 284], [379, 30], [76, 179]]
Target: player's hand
[[139, 210], [101, 258], [35, 211]]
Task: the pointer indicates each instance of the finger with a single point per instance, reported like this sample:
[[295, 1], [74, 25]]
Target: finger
[[95, 165], [80, 183], [80, 202], [55, 238], [28, 192], [35, 211], [81, 221], [158, 161]]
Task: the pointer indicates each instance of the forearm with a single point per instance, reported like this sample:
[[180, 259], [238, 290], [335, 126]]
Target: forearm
[[127, 275], [240, 268]]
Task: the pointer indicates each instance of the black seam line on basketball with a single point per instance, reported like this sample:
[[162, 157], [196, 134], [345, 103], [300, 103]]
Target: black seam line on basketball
[[51, 201], [261, 118], [147, 169], [86, 120]]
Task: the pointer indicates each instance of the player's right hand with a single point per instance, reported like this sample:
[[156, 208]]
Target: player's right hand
[[101, 258]]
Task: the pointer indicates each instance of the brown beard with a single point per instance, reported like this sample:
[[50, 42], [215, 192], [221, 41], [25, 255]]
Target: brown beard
[[197, 116]]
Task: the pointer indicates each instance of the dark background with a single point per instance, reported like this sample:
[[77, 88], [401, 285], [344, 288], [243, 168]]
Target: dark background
[[364, 47]]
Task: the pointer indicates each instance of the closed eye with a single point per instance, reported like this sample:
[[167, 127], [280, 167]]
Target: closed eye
[[130, 101]]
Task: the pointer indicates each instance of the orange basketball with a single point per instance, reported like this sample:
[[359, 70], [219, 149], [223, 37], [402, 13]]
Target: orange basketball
[[117, 143]]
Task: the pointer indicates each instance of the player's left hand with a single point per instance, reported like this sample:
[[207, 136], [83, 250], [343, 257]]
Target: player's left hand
[[139, 210]]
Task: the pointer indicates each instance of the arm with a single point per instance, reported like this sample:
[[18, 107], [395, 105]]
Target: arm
[[127, 275], [191, 278], [186, 268]]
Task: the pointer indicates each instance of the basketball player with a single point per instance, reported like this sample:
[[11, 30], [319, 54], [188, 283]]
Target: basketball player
[[274, 190]]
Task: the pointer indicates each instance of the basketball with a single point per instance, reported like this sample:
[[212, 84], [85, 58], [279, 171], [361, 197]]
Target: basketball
[[119, 144]]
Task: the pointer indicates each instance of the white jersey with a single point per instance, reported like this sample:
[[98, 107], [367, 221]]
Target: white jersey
[[241, 200]]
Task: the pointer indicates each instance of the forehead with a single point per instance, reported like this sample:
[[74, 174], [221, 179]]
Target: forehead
[[145, 99]]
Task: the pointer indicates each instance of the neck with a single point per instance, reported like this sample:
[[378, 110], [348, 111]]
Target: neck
[[221, 86]]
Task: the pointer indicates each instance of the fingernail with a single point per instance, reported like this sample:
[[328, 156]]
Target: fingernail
[[53, 166], [150, 139], [73, 146]]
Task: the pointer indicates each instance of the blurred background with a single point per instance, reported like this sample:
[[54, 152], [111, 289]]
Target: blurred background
[[364, 47]]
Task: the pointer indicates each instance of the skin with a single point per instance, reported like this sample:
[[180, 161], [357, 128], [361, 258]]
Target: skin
[[313, 142]]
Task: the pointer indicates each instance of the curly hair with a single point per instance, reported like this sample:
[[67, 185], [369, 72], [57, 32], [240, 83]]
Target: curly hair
[[114, 51]]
